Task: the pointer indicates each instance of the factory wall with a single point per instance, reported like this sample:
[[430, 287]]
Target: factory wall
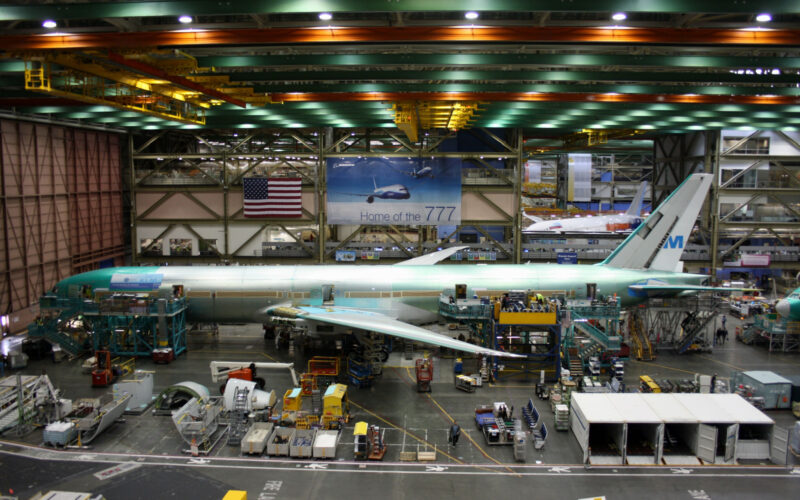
[[60, 209]]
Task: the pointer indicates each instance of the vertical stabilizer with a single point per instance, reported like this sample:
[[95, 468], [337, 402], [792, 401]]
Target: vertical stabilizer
[[635, 209], [659, 241]]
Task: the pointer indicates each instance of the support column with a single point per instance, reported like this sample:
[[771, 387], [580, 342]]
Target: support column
[[321, 188], [713, 143], [517, 231]]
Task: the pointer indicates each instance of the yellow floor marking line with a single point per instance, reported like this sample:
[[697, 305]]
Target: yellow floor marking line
[[722, 363], [650, 363], [451, 419], [407, 433]]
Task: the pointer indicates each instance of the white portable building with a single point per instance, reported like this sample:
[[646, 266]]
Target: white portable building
[[673, 429]]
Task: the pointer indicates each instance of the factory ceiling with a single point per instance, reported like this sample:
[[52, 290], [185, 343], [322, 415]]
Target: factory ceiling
[[560, 68]]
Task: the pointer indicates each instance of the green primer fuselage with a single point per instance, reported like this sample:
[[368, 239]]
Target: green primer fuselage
[[408, 293]]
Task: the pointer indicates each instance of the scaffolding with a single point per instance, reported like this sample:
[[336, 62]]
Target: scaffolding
[[682, 324], [780, 335], [534, 334], [593, 329], [124, 324]]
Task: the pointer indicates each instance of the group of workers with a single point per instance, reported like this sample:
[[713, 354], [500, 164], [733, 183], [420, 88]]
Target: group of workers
[[538, 303]]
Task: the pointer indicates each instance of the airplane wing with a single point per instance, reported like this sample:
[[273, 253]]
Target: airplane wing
[[431, 258], [650, 290], [376, 322]]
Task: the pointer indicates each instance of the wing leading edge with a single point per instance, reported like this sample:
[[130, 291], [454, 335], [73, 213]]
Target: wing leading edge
[[375, 322]]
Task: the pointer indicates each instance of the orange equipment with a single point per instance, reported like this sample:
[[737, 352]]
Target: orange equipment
[[424, 370], [102, 374], [248, 373]]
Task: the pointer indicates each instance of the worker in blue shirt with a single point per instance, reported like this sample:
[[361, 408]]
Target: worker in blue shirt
[[455, 431]]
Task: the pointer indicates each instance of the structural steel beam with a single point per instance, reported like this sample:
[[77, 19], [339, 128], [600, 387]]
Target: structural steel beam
[[537, 97], [465, 33]]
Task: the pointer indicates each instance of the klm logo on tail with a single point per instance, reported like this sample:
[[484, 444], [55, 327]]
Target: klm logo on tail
[[674, 242]]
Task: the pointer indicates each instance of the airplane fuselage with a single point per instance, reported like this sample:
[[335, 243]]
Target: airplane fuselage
[[409, 293], [393, 192], [597, 224]]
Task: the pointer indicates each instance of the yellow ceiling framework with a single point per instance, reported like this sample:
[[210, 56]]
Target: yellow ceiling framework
[[157, 83], [592, 137], [413, 116]]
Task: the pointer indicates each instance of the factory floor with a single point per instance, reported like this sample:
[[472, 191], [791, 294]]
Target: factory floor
[[142, 456]]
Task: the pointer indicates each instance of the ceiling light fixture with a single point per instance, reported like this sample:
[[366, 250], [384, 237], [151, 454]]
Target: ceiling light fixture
[[184, 19], [471, 15], [619, 16], [764, 18], [49, 24], [325, 16]]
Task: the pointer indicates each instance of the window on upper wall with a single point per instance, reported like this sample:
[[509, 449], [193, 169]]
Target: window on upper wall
[[151, 248], [207, 247], [180, 247], [752, 146]]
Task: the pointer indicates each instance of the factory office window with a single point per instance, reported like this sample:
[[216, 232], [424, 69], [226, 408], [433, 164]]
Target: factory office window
[[180, 247], [150, 247], [752, 146], [207, 247]]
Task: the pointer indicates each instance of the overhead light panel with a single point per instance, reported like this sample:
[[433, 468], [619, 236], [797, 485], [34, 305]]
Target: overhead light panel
[[325, 16], [763, 17], [619, 16], [49, 24], [471, 15], [184, 19]]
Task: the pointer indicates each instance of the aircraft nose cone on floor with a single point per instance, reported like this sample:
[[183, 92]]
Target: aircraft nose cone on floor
[[783, 308]]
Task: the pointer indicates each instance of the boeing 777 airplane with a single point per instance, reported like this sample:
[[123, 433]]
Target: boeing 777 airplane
[[393, 192], [597, 224], [389, 299]]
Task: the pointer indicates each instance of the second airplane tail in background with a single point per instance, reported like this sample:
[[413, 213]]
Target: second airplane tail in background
[[635, 209]]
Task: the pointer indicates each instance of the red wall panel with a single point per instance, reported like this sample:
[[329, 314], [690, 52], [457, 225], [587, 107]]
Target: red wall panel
[[60, 207]]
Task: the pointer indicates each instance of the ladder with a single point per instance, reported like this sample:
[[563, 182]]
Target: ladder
[[408, 350], [316, 402], [238, 425], [642, 346], [693, 326]]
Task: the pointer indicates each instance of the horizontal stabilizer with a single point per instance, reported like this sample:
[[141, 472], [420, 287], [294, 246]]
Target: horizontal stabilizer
[[635, 209], [376, 322]]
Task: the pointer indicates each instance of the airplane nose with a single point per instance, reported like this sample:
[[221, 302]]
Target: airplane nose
[[783, 307]]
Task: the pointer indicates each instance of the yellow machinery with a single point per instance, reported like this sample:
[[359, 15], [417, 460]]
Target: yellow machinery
[[292, 405], [235, 495], [335, 407], [647, 384], [360, 446], [368, 442]]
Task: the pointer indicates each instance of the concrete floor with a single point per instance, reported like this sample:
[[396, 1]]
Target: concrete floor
[[148, 448]]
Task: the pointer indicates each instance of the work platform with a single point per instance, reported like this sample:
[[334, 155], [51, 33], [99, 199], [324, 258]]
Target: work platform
[[534, 332], [125, 324], [780, 335], [682, 324]]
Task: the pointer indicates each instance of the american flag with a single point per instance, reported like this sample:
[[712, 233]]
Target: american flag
[[276, 197]]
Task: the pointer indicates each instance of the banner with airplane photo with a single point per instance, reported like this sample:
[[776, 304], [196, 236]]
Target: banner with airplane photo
[[394, 191]]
